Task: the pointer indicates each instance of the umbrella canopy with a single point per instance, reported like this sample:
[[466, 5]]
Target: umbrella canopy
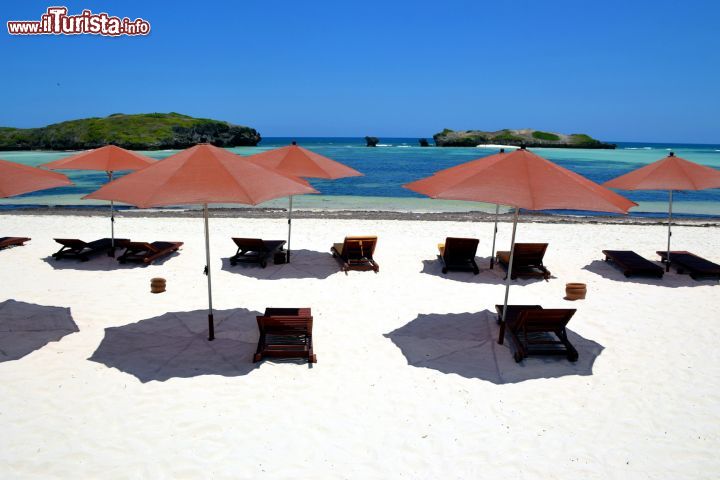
[[670, 173], [16, 179], [201, 175], [520, 179], [110, 159], [301, 162], [26, 327]]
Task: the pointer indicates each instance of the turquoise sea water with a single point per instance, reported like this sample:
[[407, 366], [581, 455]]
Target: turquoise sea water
[[400, 160]]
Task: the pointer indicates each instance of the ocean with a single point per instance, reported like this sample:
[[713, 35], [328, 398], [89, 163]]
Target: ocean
[[396, 161]]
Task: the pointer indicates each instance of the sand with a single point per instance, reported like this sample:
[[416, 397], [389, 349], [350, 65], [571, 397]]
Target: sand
[[409, 383]]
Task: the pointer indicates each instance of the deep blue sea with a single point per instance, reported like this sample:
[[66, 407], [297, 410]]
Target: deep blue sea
[[400, 160]]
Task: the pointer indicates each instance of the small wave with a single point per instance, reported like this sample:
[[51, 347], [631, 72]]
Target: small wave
[[638, 148], [383, 145], [403, 146]]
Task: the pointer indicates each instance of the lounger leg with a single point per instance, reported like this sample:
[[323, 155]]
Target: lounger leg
[[261, 345]]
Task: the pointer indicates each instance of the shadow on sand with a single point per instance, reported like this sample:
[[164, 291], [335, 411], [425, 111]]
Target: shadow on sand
[[303, 264], [495, 276], [466, 344], [26, 327], [175, 345], [101, 263], [671, 279]]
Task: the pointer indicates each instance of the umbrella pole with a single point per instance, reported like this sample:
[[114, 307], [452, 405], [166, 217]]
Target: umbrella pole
[[111, 253], [211, 325], [492, 254], [289, 228], [509, 277], [667, 259]]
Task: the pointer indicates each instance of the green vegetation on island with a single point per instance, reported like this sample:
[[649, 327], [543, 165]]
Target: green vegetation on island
[[528, 137], [145, 131]]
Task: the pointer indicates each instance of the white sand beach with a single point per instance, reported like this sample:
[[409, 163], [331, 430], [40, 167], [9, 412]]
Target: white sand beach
[[410, 381]]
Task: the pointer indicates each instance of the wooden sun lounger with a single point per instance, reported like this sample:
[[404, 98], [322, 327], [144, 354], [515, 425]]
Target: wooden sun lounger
[[356, 253], [255, 250], [527, 261], [285, 333], [458, 254], [535, 330], [75, 248], [147, 252], [6, 242], [633, 264], [698, 267]]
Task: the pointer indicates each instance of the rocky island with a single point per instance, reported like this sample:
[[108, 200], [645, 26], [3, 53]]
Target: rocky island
[[528, 137], [145, 131]]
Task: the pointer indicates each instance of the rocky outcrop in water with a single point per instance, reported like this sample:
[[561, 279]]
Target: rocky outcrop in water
[[371, 141], [527, 137], [423, 142]]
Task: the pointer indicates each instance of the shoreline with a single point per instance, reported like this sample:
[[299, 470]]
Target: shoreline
[[281, 213]]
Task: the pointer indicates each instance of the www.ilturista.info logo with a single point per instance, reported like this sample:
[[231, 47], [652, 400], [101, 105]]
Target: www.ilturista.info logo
[[56, 21]]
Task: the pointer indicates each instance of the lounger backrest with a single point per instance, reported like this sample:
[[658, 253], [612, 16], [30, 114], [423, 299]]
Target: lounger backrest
[[285, 325], [254, 244], [545, 320], [529, 253], [73, 243], [359, 247], [460, 248]]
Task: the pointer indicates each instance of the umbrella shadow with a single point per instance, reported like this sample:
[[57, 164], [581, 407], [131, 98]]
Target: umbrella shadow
[[101, 262], [303, 264], [669, 280], [466, 344], [495, 276], [26, 327], [175, 345]]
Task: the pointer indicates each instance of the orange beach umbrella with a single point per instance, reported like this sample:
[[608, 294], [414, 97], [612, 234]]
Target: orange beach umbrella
[[670, 173], [202, 175], [16, 179], [301, 162], [109, 159], [520, 179]]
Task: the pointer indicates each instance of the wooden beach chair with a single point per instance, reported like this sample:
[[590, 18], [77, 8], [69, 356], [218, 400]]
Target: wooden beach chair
[[527, 261], [255, 250], [76, 248], [458, 254], [630, 263], [698, 267], [147, 252], [535, 330], [7, 242], [285, 333], [356, 253]]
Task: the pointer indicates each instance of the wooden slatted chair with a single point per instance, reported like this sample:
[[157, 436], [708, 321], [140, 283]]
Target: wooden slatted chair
[[285, 333], [255, 250], [356, 253], [458, 254], [527, 261], [81, 250], [535, 330], [147, 252]]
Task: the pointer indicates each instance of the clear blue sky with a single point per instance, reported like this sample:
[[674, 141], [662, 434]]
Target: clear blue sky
[[618, 70]]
